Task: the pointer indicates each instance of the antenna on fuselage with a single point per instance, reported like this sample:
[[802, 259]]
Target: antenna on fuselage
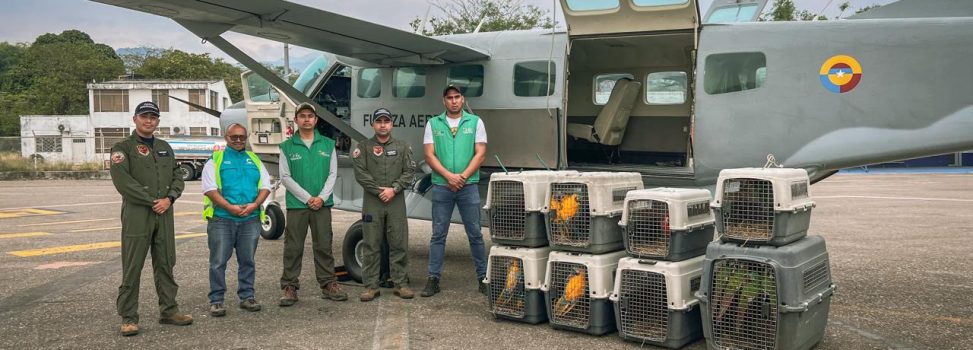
[[539, 159], [501, 164]]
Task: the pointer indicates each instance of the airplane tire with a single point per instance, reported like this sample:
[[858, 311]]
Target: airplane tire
[[186, 172], [351, 249], [273, 227]]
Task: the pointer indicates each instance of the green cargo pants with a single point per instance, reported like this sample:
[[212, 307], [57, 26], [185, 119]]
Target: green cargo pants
[[143, 230], [386, 222], [298, 221]]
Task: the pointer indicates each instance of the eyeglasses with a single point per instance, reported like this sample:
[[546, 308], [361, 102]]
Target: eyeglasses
[[237, 138]]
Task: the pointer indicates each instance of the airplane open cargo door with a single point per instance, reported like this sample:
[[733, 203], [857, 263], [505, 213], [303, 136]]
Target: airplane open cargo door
[[599, 17], [730, 11]]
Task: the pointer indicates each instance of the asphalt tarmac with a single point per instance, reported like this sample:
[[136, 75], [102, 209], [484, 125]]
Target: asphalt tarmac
[[900, 249]]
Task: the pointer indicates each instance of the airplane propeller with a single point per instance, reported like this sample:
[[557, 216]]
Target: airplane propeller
[[209, 111]]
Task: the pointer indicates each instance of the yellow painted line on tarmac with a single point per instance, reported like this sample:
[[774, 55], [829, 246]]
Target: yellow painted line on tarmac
[[82, 247], [64, 222], [186, 213], [19, 213], [23, 234], [96, 229]]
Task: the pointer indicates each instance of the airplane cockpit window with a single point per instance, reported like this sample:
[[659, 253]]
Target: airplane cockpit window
[[468, 78], [260, 89], [651, 3], [592, 5], [310, 75], [409, 82], [740, 13], [666, 88], [604, 83], [732, 72], [534, 78], [369, 83]]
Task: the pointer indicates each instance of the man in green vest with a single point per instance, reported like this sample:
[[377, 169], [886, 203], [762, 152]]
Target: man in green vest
[[144, 172], [308, 167], [235, 184], [455, 146], [384, 167]]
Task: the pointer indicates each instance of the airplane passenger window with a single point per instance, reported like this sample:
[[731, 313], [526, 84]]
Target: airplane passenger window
[[736, 13], [649, 3], [468, 78], [604, 83], [409, 82], [666, 88], [732, 72], [534, 78], [592, 5], [369, 82]]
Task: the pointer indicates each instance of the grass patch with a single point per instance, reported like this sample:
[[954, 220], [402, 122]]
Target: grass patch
[[12, 161]]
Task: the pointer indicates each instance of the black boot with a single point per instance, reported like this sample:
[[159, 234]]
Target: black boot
[[432, 287]]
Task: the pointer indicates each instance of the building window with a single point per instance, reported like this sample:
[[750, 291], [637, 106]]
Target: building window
[[732, 72], [666, 88], [78, 141], [110, 100], [214, 100], [161, 98], [47, 144], [226, 102], [197, 131], [370, 83], [468, 78], [163, 131], [534, 78], [409, 82], [214, 131], [604, 83], [197, 96], [105, 138]]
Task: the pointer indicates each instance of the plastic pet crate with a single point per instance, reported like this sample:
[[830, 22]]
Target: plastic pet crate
[[762, 206], [667, 223], [583, 211], [655, 301], [515, 276], [766, 297], [577, 288], [514, 203]]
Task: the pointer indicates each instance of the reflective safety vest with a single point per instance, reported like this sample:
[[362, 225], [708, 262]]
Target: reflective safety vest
[[208, 208]]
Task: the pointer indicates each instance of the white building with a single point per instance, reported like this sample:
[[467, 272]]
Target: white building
[[89, 138]]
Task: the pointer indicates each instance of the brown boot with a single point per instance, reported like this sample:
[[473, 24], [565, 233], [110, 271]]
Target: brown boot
[[289, 297], [405, 292], [369, 294], [130, 329], [178, 320], [333, 291]]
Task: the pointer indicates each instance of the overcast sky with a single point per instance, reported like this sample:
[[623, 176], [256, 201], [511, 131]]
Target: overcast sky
[[24, 20]]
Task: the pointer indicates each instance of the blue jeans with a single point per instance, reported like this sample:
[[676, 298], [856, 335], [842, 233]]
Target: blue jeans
[[443, 202], [225, 235]]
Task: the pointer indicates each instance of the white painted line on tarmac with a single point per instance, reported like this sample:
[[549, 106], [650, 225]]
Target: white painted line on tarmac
[[898, 198], [95, 229], [65, 222], [391, 326]]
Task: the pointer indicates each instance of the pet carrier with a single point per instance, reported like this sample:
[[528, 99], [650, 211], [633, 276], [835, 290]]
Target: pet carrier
[[514, 203], [667, 223], [766, 297], [583, 211], [654, 301], [762, 206], [515, 276], [577, 287]]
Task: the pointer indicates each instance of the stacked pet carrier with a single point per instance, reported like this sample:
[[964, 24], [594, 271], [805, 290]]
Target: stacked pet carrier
[[518, 262], [767, 284], [583, 211], [666, 231]]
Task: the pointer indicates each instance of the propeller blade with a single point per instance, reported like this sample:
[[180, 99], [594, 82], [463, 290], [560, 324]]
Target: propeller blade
[[212, 112]]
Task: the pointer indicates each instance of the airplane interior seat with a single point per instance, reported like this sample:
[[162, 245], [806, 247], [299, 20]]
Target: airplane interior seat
[[611, 122]]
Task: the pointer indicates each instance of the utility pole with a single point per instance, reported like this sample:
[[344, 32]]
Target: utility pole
[[287, 63]]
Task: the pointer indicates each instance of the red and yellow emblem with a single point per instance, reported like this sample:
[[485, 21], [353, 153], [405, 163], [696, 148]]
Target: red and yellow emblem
[[142, 149], [841, 73], [377, 150], [117, 157]]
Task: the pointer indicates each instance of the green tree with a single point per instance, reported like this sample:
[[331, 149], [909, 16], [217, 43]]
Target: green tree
[[464, 16], [176, 64], [11, 57]]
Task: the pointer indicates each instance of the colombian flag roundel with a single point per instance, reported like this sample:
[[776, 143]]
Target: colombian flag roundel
[[840, 74]]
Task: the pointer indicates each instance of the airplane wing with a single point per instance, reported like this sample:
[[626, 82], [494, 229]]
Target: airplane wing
[[918, 9], [309, 27]]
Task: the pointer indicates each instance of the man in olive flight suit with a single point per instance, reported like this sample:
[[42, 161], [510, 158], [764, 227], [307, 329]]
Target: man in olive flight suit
[[144, 172], [384, 167]]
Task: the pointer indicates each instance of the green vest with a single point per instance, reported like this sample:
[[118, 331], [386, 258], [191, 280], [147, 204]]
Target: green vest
[[309, 166], [455, 152], [208, 207]]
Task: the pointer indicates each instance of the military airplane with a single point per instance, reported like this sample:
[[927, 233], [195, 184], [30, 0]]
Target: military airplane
[[646, 86]]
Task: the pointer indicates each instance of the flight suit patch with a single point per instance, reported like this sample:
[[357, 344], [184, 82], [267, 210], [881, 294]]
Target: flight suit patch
[[117, 157], [378, 150], [392, 153], [162, 153], [356, 153], [142, 149]]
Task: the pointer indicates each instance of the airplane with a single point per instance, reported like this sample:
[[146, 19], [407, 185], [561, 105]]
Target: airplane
[[647, 86]]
